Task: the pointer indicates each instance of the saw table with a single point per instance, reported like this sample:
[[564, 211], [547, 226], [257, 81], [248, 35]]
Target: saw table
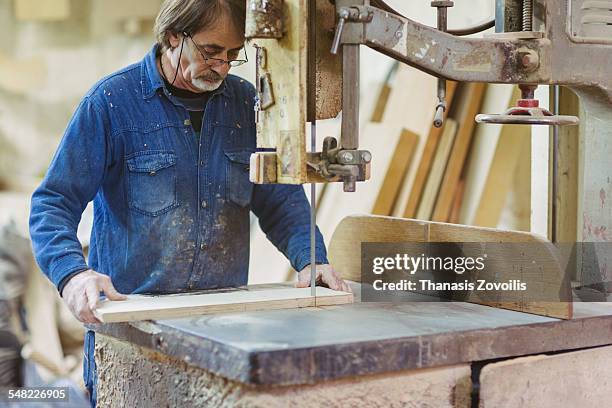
[[362, 354]]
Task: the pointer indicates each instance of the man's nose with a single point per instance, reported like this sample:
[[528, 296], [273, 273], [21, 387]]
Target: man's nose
[[221, 69]]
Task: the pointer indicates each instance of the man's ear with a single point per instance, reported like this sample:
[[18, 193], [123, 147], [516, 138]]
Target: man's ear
[[174, 39]]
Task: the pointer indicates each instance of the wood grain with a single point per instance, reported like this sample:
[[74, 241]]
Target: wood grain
[[398, 166], [426, 158], [465, 117], [432, 187], [256, 297], [345, 255]]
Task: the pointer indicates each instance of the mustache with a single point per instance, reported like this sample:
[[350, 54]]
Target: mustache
[[212, 77]]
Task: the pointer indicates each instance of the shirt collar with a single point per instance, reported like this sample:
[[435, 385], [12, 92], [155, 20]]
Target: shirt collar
[[151, 79]]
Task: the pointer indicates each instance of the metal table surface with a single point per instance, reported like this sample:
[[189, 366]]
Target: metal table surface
[[304, 346]]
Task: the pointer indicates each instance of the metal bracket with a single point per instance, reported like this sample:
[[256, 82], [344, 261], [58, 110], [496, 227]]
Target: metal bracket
[[336, 162], [354, 14]]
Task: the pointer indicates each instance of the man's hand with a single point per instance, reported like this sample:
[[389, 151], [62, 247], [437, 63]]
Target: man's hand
[[82, 293], [326, 275]]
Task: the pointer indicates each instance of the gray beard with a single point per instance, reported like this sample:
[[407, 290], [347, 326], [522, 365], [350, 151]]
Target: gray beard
[[205, 86]]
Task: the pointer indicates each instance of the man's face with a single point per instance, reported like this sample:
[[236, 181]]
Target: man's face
[[222, 41]]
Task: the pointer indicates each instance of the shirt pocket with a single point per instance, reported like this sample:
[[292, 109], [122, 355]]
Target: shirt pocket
[[239, 188], [152, 182]]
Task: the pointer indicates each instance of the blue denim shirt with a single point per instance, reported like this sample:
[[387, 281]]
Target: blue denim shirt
[[171, 211]]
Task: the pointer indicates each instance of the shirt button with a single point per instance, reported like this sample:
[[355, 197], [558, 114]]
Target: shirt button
[[201, 163], [204, 204]]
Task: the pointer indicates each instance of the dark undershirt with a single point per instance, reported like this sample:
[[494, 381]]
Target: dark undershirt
[[195, 103]]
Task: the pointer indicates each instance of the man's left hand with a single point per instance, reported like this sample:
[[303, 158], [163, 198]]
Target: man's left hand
[[326, 276]]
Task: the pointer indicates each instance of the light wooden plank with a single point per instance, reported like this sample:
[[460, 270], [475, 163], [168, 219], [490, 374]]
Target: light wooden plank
[[499, 179], [22, 75], [541, 160], [567, 193], [42, 10], [575, 379], [141, 307], [394, 178], [425, 162], [498, 98], [414, 114], [345, 255], [432, 187], [469, 108], [117, 10]]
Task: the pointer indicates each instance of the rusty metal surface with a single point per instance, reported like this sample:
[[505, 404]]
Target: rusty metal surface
[[492, 60], [452, 57], [310, 345]]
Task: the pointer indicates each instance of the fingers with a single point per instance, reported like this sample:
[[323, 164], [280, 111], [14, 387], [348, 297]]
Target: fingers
[[82, 294], [331, 281], [83, 310], [302, 284], [109, 290], [93, 295], [345, 287]]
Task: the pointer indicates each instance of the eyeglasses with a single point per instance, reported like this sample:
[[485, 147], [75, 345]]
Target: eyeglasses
[[213, 62]]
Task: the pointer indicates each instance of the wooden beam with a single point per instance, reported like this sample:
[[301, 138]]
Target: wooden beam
[[432, 187], [257, 297], [567, 173], [465, 117], [42, 10], [402, 157], [482, 155], [426, 158]]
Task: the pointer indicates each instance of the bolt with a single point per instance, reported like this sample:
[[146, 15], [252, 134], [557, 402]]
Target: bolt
[[398, 34], [346, 157], [528, 60], [366, 157]]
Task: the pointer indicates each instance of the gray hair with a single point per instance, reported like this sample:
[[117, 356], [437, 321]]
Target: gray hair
[[191, 16]]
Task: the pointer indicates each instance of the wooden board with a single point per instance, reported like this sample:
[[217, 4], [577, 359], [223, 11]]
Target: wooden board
[[425, 160], [258, 297], [282, 126], [414, 114], [567, 193], [432, 187], [23, 75], [402, 157], [485, 155], [469, 108], [345, 250], [574, 379], [42, 10]]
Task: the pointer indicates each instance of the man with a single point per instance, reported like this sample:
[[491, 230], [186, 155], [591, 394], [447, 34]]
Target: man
[[162, 148]]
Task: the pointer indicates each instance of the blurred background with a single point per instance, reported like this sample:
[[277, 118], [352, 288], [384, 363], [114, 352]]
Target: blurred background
[[53, 51]]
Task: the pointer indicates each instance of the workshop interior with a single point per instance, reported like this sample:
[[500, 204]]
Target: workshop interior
[[478, 128]]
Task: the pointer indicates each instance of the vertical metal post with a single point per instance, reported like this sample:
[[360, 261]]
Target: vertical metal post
[[349, 139], [555, 170], [313, 217], [312, 117]]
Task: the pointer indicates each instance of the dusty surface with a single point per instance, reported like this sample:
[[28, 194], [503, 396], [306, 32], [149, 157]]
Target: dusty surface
[[132, 376]]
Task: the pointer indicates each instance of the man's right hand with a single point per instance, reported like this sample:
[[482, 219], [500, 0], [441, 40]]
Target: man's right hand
[[82, 293]]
